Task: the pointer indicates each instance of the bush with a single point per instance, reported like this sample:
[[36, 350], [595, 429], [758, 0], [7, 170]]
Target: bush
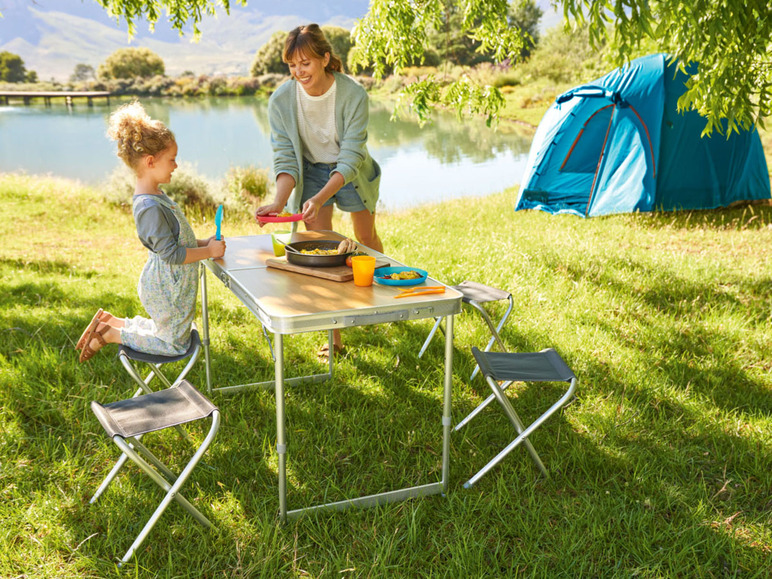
[[131, 63], [268, 56], [243, 86], [340, 40], [12, 68], [191, 190], [120, 186], [272, 80], [508, 79], [247, 187], [187, 188]]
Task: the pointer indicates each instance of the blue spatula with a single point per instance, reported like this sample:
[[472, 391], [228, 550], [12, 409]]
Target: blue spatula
[[218, 221]]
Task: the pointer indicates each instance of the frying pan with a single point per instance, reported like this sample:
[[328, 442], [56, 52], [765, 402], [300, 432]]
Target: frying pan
[[315, 260]]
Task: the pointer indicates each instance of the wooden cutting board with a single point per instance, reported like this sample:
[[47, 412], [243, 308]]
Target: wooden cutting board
[[335, 273]]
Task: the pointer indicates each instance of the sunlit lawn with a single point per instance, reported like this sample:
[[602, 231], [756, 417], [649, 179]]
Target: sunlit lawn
[[662, 466]]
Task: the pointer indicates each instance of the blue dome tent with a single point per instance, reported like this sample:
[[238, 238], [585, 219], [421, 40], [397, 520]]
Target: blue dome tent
[[619, 145]]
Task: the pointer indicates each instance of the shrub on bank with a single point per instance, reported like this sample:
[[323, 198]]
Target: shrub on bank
[[242, 190], [247, 187], [182, 86]]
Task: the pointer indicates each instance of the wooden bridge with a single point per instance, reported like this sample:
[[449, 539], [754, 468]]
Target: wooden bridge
[[7, 96]]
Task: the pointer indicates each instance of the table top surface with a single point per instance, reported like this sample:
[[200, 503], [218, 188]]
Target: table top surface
[[289, 302]]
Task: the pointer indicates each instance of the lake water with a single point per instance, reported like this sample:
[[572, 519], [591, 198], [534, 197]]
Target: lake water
[[442, 160]]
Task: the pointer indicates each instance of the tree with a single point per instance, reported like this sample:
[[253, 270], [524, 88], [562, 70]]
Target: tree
[[180, 12], [12, 68], [452, 43], [131, 63], [82, 72], [525, 16], [731, 41], [341, 42], [268, 56]]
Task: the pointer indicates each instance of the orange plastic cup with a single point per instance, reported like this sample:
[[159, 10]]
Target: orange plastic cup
[[364, 268]]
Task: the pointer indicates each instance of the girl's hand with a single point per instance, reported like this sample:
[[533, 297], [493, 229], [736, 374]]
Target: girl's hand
[[216, 248], [268, 209]]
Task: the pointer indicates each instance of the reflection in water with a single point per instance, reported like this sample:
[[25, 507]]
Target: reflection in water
[[442, 160]]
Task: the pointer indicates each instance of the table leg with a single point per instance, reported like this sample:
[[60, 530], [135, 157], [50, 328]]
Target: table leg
[[205, 328], [281, 445], [447, 403]]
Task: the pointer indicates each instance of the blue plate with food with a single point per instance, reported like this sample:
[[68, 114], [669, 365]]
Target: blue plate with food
[[400, 276]]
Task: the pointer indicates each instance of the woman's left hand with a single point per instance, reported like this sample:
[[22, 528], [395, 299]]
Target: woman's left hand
[[311, 209]]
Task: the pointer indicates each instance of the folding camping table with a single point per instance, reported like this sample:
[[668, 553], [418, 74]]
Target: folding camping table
[[291, 303]]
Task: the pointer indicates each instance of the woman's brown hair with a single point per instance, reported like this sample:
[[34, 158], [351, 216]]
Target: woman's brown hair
[[311, 41]]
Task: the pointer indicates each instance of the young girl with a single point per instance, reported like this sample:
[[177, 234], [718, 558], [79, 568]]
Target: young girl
[[319, 139], [169, 281]]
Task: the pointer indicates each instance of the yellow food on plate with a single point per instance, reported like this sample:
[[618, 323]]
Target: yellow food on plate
[[403, 275], [284, 214], [318, 251]]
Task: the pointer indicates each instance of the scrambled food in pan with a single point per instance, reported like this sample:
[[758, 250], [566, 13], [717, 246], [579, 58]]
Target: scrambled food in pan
[[403, 275], [318, 251]]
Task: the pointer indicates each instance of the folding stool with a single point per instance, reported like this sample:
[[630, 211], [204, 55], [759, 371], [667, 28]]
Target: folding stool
[[509, 367], [127, 420], [128, 357], [475, 294]]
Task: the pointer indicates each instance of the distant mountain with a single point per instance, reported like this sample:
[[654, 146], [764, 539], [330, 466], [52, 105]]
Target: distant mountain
[[52, 36]]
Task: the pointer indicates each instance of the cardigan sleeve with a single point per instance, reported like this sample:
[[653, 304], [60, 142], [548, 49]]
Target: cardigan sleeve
[[284, 157]]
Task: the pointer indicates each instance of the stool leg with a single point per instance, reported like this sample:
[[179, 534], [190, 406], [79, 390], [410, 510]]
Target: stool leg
[[141, 448], [437, 323], [474, 412], [525, 433], [493, 329], [191, 362], [172, 491], [205, 329], [518, 424], [109, 478]]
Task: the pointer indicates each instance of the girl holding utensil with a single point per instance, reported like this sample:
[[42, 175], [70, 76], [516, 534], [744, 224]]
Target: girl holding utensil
[[319, 138], [169, 281]]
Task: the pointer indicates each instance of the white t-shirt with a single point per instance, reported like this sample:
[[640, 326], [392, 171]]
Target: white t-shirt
[[316, 123]]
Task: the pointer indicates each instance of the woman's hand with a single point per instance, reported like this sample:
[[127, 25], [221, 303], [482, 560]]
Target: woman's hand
[[311, 209], [268, 209]]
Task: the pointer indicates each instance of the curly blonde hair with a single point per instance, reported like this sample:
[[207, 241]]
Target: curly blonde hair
[[136, 134]]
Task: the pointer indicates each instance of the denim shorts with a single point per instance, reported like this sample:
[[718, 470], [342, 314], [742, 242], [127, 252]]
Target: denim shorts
[[316, 175]]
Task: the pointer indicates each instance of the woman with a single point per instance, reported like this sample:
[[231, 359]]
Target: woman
[[319, 138]]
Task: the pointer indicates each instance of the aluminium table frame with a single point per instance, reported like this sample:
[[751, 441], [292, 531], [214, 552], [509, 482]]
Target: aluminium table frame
[[418, 309]]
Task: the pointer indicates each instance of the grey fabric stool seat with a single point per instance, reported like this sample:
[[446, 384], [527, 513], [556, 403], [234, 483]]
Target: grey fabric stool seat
[[475, 294], [506, 368], [127, 420]]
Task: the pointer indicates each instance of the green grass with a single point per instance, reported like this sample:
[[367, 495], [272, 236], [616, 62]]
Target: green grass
[[662, 466]]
